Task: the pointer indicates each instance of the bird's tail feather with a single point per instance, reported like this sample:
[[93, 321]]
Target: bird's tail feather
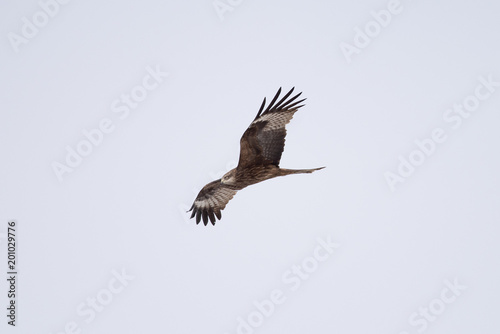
[[284, 171]]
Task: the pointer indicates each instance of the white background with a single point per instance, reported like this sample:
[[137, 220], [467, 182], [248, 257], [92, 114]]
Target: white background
[[123, 208]]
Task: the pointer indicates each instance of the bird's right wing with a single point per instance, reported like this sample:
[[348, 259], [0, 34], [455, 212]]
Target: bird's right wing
[[264, 140], [211, 200]]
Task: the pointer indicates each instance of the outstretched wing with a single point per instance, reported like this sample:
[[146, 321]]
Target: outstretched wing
[[211, 200], [264, 140]]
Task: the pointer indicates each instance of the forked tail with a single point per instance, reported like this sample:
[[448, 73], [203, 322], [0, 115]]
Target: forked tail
[[284, 171]]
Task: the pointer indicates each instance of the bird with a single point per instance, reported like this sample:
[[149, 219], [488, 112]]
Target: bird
[[261, 147]]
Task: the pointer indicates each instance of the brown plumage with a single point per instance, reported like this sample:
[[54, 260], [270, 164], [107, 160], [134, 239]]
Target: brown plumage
[[261, 147]]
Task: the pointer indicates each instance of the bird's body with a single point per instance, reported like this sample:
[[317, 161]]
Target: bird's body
[[261, 147], [259, 173]]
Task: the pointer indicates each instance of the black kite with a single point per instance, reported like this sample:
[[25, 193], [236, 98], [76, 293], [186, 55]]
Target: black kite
[[261, 147]]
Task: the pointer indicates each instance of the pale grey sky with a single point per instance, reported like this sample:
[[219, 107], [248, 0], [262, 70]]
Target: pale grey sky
[[116, 114]]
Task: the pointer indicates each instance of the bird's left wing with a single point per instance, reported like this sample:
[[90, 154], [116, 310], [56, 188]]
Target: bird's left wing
[[211, 200]]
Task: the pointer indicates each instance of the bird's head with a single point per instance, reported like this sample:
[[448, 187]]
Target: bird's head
[[229, 177]]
